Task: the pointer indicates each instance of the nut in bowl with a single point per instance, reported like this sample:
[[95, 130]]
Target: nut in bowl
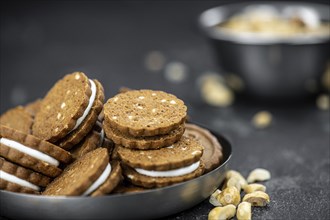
[[276, 48]]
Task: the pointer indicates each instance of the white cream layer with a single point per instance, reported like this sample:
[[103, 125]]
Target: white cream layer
[[169, 173], [32, 152], [89, 106], [99, 181], [14, 179]]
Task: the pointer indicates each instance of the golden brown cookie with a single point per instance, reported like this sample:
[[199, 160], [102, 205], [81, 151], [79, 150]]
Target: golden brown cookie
[[80, 177], [150, 142], [212, 155], [184, 152], [162, 167], [155, 182], [19, 179], [17, 118], [32, 152], [144, 112], [69, 110]]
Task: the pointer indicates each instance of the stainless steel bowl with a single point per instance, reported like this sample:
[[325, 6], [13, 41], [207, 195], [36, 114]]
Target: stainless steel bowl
[[153, 203], [272, 68]]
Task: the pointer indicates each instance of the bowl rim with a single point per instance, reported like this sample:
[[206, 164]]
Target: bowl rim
[[252, 38]]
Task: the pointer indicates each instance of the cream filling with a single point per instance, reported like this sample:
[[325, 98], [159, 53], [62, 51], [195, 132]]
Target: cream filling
[[14, 179], [32, 152], [169, 173], [89, 106], [99, 181]]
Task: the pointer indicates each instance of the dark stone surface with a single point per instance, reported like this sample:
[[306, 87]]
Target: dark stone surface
[[40, 42]]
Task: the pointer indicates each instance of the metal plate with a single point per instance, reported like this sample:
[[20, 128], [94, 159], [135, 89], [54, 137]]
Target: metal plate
[[153, 203]]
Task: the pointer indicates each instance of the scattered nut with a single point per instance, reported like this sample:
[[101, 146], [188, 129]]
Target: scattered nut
[[222, 213], [215, 92], [234, 82], [254, 187], [262, 119], [229, 195], [323, 102], [257, 198], [154, 61], [234, 173], [176, 72], [258, 174], [213, 198], [233, 181], [244, 211]]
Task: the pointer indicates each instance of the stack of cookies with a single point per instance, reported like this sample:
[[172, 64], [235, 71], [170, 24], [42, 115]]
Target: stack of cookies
[[147, 127], [40, 140]]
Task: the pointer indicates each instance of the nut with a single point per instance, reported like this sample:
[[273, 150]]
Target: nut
[[234, 173], [262, 119], [222, 213], [244, 211], [233, 181], [254, 187], [229, 195], [258, 174], [213, 198], [215, 92], [323, 102], [257, 198]]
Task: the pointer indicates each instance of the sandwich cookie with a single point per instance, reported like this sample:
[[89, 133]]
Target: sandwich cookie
[[150, 142], [17, 118], [212, 155], [16, 178], [69, 110], [157, 168], [89, 175], [31, 152], [144, 113]]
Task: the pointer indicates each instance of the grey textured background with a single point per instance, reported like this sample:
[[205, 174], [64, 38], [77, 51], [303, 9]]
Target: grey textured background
[[42, 41]]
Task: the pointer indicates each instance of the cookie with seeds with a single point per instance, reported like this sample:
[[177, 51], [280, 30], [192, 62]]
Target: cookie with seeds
[[150, 142], [31, 152], [144, 113], [212, 154], [165, 166], [17, 118], [16, 178], [90, 175], [69, 110]]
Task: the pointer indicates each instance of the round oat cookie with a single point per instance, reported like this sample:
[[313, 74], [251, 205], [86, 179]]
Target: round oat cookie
[[16, 178], [144, 112], [155, 182], [31, 152], [182, 153], [212, 155], [18, 119], [144, 143], [69, 110], [78, 178]]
